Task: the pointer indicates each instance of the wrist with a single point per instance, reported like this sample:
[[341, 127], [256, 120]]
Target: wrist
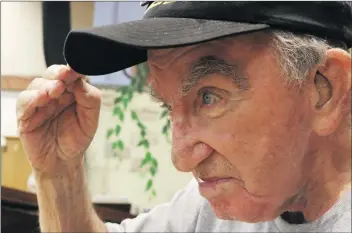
[[61, 170]]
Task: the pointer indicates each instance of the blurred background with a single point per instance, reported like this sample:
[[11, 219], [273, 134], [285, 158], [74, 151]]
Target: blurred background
[[128, 164]]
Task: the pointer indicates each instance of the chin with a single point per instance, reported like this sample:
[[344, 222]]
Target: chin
[[242, 209], [231, 201]]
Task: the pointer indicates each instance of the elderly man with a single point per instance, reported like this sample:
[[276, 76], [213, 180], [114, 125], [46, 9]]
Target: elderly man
[[259, 98]]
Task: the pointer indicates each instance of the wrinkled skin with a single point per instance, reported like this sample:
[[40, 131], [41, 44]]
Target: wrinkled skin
[[57, 118], [268, 139]]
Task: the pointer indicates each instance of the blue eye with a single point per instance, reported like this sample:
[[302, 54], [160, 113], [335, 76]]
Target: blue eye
[[209, 98]]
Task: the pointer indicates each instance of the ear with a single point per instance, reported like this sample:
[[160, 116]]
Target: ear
[[332, 83]]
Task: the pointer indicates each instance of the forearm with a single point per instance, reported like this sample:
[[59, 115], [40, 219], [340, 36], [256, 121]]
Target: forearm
[[64, 204]]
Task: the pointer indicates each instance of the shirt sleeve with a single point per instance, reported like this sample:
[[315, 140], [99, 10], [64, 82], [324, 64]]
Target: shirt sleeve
[[179, 215]]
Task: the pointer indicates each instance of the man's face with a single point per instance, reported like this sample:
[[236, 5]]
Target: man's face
[[236, 124]]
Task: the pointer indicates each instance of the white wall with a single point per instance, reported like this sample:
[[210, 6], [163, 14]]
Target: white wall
[[22, 51], [109, 176]]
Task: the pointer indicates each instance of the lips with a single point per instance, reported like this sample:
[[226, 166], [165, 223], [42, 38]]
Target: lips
[[212, 180]]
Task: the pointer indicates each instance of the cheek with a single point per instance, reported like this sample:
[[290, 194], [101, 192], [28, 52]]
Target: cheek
[[265, 142]]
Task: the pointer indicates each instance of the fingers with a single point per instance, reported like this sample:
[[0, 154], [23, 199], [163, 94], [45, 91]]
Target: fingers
[[86, 95], [38, 118], [54, 88], [35, 117], [28, 101], [48, 96], [62, 73], [42, 90]]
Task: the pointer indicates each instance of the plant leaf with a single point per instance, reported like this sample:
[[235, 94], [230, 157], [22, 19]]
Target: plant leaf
[[143, 133], [124, 89], [134, 115], [154, 162], [144, 162], [154, 192], [117, 130], [121, 116], [125, 102], [152, 171], [129, 95], [165, 129], [149, 184], [109, 133], [120, 145], [114, 145], [146, 144], [147, 159], [149, 156], [141, 142], [117, 111], [164, 113], [140, 125], [118, 100]]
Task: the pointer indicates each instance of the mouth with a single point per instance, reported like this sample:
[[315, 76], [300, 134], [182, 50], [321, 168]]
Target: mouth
[[210, 187], [206, 181]]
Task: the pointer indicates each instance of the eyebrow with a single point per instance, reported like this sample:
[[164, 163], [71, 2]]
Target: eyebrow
[[208, 65], [203, 68]]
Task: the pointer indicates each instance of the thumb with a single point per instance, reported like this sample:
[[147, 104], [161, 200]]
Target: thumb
[[86, 95]]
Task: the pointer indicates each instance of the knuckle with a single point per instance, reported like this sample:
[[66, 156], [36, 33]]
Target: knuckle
[[21, 101], [21, 97], [34, 83], [40, 83], [52, 72], [99, 94]]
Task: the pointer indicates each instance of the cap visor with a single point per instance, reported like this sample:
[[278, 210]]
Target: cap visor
[[107, 49]]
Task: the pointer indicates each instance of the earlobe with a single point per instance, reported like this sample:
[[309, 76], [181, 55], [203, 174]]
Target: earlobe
[[332, 84]]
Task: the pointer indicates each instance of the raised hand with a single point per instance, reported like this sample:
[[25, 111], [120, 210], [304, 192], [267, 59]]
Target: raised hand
[[57, 119]]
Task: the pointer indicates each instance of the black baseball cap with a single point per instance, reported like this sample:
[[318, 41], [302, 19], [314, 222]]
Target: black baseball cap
[[108, 49]]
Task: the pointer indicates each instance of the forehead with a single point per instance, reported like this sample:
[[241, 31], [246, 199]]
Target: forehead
[[177, 64], [226, 48]]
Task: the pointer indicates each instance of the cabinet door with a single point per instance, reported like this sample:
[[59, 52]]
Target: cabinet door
[[15, 167]]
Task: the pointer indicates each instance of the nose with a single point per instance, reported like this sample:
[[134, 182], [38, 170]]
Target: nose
[[188, 150]]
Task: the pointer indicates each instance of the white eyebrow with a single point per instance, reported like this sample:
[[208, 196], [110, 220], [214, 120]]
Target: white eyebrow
[[209, 65]]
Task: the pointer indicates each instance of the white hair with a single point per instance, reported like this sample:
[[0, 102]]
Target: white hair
[[298, 54]]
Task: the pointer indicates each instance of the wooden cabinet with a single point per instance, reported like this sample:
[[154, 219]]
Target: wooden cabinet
[[15, 167], [19, 211]]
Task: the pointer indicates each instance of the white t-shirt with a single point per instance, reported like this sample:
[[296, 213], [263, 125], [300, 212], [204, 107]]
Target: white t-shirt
[[190, 212]]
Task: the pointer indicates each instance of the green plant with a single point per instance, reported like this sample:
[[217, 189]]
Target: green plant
[[121, 103]]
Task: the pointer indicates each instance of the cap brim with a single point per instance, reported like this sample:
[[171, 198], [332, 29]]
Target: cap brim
[[108, 49]]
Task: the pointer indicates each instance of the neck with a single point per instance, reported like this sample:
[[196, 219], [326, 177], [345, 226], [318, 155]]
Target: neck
[[330, 176]]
